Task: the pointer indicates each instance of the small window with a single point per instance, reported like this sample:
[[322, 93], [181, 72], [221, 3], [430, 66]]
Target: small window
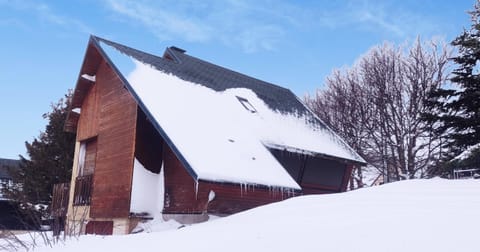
[[246, 104], [87, 155]]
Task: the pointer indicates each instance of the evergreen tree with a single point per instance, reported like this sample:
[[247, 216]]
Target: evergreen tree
[[50, 159], [455, 112]]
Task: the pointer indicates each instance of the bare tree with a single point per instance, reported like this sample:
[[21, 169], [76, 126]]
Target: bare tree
[[376, 106]]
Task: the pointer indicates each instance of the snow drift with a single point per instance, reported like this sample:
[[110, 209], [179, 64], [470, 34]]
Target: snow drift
[[416, 215]]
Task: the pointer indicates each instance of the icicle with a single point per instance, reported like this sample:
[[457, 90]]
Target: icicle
[[211, 195], [196, 189]]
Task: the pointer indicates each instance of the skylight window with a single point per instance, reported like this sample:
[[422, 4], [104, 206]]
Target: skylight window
[[246, 104]]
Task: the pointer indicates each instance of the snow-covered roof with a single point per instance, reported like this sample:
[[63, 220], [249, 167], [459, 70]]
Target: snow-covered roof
[[220, 122]]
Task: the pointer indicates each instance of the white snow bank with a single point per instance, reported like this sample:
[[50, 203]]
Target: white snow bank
[[156, 225], [147, 191], [417, 215]]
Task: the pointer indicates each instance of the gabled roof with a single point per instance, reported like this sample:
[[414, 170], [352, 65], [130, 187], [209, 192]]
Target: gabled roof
[[219, 122], [215, 77]]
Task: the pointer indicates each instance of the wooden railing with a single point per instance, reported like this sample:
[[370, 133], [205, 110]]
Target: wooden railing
[[60, 199], [83, 190]]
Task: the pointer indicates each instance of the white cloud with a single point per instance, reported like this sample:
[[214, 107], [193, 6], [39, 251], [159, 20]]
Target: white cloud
[[378, 21], [45, 13], [261, 25], [258, 38], [252, 26], [379, 17], [161, 21]]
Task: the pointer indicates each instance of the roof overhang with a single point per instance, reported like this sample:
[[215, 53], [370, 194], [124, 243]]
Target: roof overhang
[[312, 153], [91, 62]]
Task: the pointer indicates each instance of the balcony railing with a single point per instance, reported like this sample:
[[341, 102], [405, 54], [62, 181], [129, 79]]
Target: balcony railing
[[83, 190]]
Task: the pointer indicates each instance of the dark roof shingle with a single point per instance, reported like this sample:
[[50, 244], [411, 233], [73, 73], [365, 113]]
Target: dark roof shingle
[[216, 77]]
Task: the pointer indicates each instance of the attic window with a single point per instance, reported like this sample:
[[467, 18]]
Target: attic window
[[246, 104]]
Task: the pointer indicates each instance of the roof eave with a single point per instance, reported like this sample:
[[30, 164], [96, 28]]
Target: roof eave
[[91, 62], [314, 154], [256, 185]]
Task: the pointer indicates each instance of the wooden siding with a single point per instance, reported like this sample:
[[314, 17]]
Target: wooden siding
[[184, 196], [113, 116], [89, 116], [179, 186], [99, 227], [90, 65], [234, 198]]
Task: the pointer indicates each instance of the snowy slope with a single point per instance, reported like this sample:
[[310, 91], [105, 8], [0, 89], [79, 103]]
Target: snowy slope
[[417, 215]]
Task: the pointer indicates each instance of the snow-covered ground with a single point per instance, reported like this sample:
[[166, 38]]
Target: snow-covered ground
[[417, 215]]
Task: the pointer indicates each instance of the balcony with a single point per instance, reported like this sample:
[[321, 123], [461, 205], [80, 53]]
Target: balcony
[[83, 190], [60, 199]]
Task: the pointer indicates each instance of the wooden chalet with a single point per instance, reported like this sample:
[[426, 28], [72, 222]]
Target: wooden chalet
[[184, 138]]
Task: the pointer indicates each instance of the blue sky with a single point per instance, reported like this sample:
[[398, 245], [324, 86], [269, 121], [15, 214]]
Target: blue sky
[[295, 44]]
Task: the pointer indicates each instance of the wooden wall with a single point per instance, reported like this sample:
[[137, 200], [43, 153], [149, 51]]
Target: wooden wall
[[183, 196], [89, 115], [109, 113], [99, 227], [179, 186], [233, 198]]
